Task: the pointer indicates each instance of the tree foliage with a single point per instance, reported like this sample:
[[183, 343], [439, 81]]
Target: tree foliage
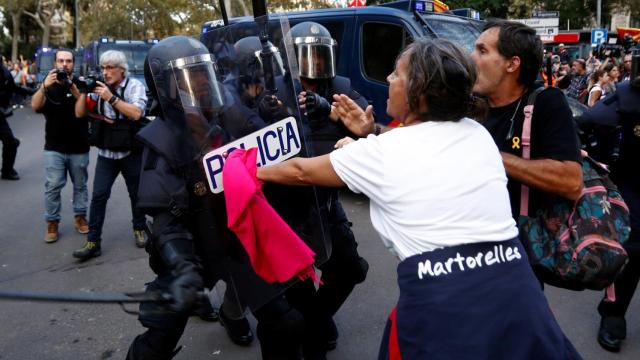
[[29, 21]]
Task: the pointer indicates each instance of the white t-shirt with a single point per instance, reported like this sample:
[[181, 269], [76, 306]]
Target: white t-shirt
[[431, 185]]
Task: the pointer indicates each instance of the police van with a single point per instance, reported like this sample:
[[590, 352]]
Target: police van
[[44, 62], [134, 50], [370, 38]]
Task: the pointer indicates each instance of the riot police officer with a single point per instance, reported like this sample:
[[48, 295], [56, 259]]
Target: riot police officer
[[316, 54], [192, 247], [9, 142], [615, 123]]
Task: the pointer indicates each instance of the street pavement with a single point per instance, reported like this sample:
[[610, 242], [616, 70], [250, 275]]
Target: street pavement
[[54, 331]]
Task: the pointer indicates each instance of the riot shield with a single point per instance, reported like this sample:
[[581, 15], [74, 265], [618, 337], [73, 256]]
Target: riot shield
[[250, 75]]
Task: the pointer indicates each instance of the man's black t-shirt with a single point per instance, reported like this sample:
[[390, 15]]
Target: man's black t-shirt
[[64, 132], [553, 136]]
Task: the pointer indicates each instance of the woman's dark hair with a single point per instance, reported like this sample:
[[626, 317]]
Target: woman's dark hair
[[517, 39], [442, 75], [597, 74]]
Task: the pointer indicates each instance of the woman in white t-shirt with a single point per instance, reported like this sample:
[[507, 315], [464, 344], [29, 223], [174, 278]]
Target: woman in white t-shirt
[[599, 81], [439, 201]]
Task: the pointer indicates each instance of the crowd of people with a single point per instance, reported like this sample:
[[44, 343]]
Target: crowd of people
[[453, 227], [586, 80], [23, 72]]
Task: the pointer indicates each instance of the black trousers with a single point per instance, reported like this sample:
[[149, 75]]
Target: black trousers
[[627, 281], [9, 146], [340, 274]]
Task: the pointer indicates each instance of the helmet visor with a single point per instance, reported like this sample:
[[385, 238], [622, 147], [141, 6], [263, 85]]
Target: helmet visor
[[316, 57], [196, 83]]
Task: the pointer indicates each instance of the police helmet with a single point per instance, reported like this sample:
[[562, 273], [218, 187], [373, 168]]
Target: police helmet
[[315, 50], [249, 61], [180, 73]]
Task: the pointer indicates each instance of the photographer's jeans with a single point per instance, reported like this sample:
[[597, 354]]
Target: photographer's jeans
[[56, 167], [107, 171]]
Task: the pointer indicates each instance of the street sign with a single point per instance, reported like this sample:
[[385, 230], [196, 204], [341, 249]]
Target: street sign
[[547, 31], [544, 26], [598, 36], [540, 22], [545, 14]]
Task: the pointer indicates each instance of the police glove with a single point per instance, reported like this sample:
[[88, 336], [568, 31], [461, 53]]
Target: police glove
[[269, 105], [186, 287], [315, 105]]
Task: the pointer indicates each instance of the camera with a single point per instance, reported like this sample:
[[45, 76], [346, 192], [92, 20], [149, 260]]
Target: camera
[[89, 83], [61, 75]]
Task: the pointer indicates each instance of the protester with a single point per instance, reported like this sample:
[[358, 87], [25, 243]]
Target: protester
[[433, 216], [578, 80], [598, 86], [508, 56], [626, 70], [66, 148], [614, 75], [118, 115]]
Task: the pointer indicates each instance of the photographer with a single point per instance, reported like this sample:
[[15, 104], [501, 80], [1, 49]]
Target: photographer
[[66, 147], [117, 107]]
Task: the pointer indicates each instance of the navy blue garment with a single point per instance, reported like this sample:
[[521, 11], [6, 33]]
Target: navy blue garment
[[475, 301]]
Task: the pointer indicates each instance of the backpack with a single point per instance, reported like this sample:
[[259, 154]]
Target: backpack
[[576, 245]]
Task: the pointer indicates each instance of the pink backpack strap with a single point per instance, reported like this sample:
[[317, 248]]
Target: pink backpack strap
[[526, 154], [526, 147]]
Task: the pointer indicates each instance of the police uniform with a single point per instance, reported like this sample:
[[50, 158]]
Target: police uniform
[[9, 142], [345, 267], [192, 247], [617, 119]]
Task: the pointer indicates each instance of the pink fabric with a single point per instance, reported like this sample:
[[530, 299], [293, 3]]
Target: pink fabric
[[277, 254]]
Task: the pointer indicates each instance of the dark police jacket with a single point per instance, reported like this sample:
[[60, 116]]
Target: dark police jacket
[[176, 194]]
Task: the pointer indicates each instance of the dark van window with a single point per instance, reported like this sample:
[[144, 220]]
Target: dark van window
[[381, 44]]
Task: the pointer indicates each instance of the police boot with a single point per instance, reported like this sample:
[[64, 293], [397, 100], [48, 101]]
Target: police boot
[[612, 331], [89, 250], [206, 312], [238, 330], [141, 349]]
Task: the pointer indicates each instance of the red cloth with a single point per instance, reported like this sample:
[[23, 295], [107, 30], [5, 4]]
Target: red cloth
[[276, 253]]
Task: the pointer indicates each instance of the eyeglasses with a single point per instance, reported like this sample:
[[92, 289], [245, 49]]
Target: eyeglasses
[[108, 67]]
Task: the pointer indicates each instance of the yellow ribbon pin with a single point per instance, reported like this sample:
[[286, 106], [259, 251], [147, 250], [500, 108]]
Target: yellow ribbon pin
[[515, 142]]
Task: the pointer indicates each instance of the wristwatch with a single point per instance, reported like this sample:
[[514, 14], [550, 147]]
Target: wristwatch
[[113, 99]]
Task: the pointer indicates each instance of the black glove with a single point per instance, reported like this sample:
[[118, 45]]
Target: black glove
[[186, 287], [316, 105], [269, 105]]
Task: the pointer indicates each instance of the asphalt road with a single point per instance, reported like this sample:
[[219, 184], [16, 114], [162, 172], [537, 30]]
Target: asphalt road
[[65, 331]]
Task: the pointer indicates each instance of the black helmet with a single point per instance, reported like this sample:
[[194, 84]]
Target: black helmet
[[315, 49], [180, 74], [249, 61]]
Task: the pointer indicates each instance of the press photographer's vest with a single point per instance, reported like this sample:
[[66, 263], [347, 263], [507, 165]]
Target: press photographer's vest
[[119, 136]]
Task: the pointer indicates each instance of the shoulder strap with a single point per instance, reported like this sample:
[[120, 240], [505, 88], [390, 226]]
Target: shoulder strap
[[526, 146]]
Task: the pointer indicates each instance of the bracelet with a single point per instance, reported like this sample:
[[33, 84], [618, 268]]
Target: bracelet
[[113, 100]]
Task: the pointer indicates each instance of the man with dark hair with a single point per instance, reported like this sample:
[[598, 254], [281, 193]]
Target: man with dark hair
[[66, 148], [508, 56]]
